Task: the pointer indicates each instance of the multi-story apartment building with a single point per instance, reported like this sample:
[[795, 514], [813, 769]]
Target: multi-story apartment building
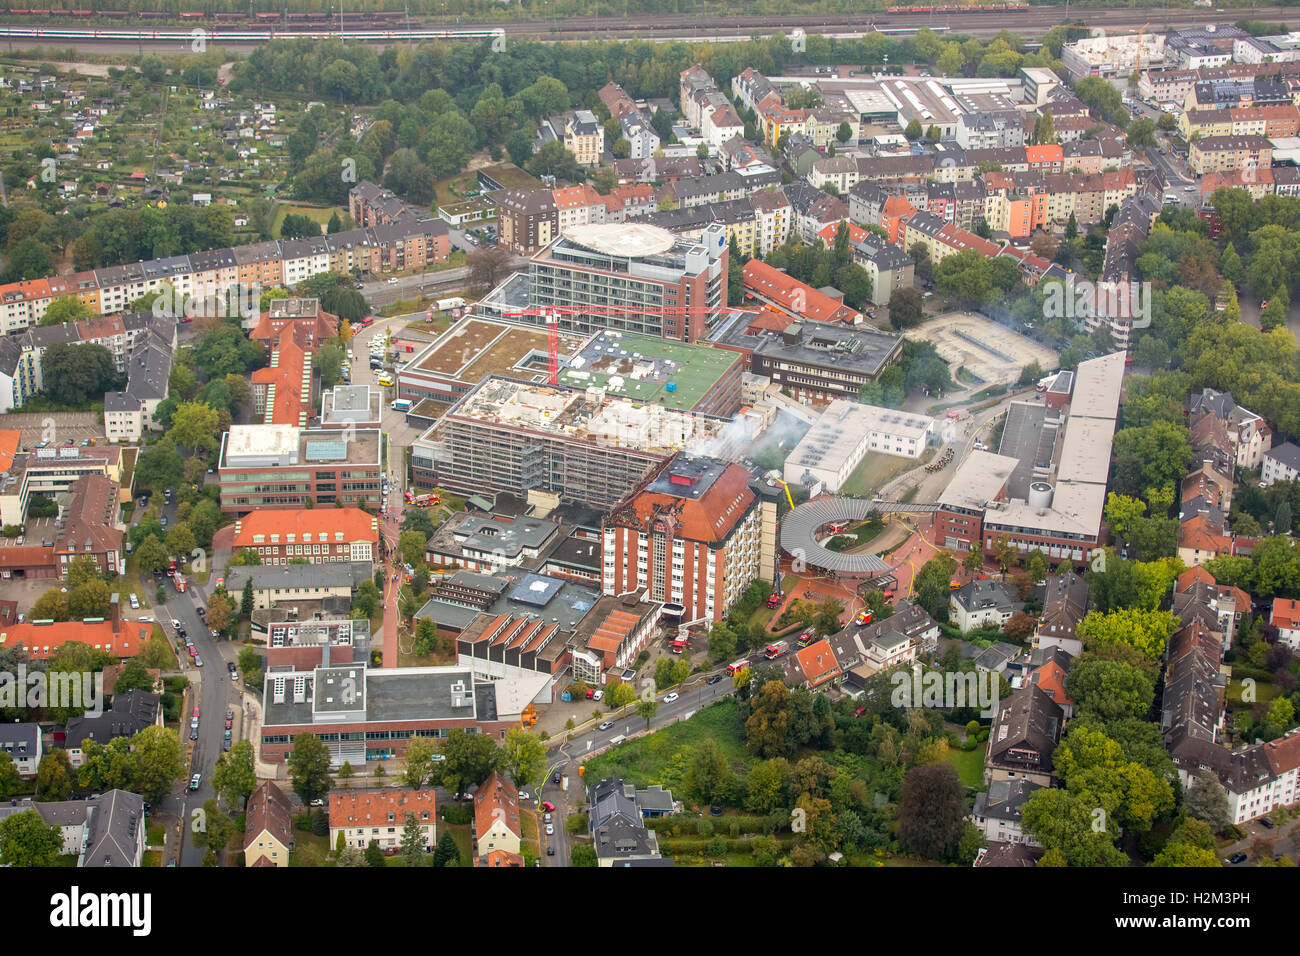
[[690, 534], [1219, 154], [360, 816], [528, 220]]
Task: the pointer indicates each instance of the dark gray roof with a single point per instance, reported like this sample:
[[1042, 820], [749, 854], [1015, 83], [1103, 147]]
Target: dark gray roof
[[113, 837], [1287, 453], [129, 714], [20, 739]]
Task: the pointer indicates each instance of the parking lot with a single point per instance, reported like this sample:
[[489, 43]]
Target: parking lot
[[54, 427], [987, 350]]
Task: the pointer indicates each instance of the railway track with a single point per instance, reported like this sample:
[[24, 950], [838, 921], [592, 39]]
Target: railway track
[[1032, 21]]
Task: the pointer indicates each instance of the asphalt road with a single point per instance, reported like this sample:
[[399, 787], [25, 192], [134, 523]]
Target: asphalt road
[[210, 684], [565, 757]]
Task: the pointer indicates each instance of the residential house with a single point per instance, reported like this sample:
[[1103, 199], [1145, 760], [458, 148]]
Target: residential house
[[268, 832], [1024, 737], [360, 816]]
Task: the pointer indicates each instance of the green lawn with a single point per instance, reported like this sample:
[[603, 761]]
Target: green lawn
[[876, 470], [309, 849], [314, 213], [969, 766], [644, 760], [1264, 691], [464, 842]]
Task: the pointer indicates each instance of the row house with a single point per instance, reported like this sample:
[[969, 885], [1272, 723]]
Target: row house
[[1223, 154], [822, 127], [751, 89], [616, 100], [578, 206], [625, 202], [773, 218], [841, 172]]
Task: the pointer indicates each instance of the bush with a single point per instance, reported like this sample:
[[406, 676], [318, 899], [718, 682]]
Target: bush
[[458, 814], [717, 847], [704, 827]]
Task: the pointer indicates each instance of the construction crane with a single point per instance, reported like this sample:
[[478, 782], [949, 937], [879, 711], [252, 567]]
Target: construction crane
[[775, 475], [1141, 35], [552, 347]]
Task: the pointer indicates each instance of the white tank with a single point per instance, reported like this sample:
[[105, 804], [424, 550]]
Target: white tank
[[1040, 495]]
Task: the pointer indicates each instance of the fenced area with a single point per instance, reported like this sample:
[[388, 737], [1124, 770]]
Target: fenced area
[[990, 352]]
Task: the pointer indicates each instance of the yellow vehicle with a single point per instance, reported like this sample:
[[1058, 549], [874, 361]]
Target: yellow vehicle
[[385, 380]]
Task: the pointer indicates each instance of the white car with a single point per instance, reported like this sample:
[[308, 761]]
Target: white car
[[670, 698], [393, 281], [135, 602], [550, 829]]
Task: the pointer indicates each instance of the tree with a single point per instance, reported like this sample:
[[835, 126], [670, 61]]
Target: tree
[[65, 309], [1044, 131], [235, 777], [931, 584], [158, 762], [913, 130], [1184, 854], [54, 777], [309, 766], [10, 780], [646, 710], [374, 856], [1110, 689], [1141, 133], [26, 841], [350, 856], [1145, 631], [222, 613], [194, 426], [525, 756], [1063, 824], [446, 853], [74, 374], [1207, 801], [906, 308], [844, 133], [932, 811], [159, 467], [419, 762], [246, 599], [413, 841], [470, 759], [708, 774], [217, 830]]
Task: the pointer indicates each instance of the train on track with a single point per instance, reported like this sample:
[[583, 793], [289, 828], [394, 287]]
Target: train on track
[[963, 8], [281, 21]]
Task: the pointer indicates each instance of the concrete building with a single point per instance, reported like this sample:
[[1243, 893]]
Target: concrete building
[[631, 278], [585, 445], [844, 435], [284, 466], [819, 362], [364, 714]]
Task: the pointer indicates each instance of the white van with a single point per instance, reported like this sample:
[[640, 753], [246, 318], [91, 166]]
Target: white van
[[401, 405]]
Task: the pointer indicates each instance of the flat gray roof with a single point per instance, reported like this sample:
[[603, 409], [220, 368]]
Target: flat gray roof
[[978, 480]]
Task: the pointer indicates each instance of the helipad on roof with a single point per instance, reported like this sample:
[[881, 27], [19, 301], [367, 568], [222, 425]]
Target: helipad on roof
[[629, 239]]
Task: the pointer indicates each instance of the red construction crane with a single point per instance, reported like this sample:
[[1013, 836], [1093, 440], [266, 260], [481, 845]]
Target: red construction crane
[[552, 347]]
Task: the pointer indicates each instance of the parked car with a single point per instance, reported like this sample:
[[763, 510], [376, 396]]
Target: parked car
[[547, 805], [195, 781], [550, 851], [1237, 858], [550, 829]]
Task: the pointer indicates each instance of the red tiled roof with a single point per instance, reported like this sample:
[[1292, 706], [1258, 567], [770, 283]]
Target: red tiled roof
[[1286, 614], [709, 518], [496, 799], [818, 663], [322, 524], [124, 642], [371, 807], [794, 296]]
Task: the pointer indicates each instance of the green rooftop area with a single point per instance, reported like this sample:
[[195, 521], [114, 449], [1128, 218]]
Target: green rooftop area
[[648, 369]]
